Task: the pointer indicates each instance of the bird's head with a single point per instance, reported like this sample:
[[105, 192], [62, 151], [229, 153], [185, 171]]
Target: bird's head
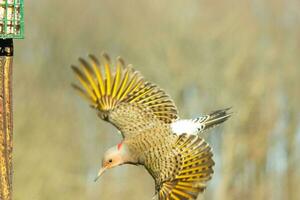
[[115, 156]]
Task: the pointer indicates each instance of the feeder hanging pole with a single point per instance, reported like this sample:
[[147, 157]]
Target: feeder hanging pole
[[11, 27], [6, 124]]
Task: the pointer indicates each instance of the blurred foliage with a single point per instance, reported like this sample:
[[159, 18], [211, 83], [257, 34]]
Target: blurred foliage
[[206, 54]]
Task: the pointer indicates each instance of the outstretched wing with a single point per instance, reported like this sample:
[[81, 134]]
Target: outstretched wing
[[123, 97], [194, 170]]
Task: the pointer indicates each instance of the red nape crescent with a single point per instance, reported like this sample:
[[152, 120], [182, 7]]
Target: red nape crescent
[[119, 146]]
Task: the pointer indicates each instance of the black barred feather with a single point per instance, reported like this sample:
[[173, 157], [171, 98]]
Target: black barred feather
[[213, 119]]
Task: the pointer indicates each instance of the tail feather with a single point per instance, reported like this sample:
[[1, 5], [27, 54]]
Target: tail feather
[[213, 119], [200, 124]]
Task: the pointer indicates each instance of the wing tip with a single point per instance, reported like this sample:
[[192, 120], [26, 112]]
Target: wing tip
[[94, 59], [106, 57], [121, 61]]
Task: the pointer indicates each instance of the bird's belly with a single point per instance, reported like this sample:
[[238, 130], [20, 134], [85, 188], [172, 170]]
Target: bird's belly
[[155, 159]]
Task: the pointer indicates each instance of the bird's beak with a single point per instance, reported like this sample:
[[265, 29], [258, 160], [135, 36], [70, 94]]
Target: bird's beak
[[101, 171]]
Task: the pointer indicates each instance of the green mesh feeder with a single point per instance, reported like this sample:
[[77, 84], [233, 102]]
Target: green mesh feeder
[[11, 27], [11, 19]]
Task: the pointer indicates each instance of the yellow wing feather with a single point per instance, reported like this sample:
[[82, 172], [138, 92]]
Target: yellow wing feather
[[122, 85], [117, 79], [195, 170], [107, 74], [88, 91], [87, 72], [98, 73]]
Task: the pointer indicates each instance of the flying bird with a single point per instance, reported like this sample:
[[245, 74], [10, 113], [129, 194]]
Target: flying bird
[[170, 148]]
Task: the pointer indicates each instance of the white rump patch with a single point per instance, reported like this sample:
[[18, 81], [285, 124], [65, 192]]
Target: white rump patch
[[185, 126]]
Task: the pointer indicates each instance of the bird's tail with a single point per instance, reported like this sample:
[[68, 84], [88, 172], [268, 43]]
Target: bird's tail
[[213, 119]]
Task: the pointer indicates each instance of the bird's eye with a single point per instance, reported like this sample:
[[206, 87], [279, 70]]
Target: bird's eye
[[110, 160]]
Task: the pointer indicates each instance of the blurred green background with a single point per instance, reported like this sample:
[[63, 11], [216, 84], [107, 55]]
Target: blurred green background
[[207, 54]]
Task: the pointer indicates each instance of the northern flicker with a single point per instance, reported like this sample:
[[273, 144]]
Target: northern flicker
[[170, 148]]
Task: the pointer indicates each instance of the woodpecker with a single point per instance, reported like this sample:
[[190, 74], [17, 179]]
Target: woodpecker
[[170, 148]]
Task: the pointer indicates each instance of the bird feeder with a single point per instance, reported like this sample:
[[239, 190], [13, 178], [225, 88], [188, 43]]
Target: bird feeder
[[11, 19], [11, 27]]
